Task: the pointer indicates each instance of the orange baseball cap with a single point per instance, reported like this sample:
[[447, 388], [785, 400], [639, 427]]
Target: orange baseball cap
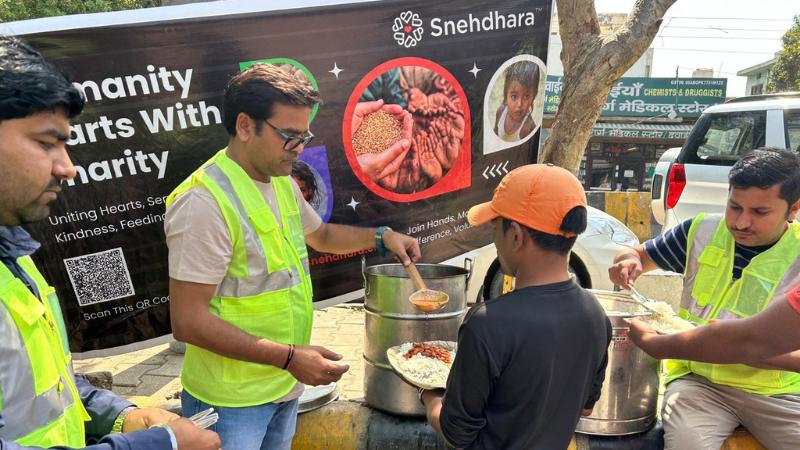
[[535, 195]]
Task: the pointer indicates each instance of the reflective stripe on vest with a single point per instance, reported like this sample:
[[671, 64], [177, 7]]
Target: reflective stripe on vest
[[259, 277], [36, 381], [710, 293], [266, 291], [700, 234]]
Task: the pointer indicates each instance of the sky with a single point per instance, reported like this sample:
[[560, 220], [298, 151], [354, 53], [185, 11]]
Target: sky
[[724, 35]]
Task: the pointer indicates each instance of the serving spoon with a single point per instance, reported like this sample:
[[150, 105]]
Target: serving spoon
[[424, 299]]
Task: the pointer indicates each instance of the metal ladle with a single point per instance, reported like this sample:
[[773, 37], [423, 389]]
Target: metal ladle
[[424, 299]]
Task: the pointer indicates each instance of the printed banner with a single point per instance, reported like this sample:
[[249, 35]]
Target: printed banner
[[154, 114]]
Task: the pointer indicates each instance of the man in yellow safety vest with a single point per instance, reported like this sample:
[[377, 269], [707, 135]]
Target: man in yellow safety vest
[[733, 267], [240, 286], [42, 403]]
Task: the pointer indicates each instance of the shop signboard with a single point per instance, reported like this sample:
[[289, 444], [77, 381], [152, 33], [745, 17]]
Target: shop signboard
[[650, 97], [643, 133]]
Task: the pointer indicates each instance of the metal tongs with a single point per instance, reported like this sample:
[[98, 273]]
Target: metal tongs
[[205, 419], [642, 300]]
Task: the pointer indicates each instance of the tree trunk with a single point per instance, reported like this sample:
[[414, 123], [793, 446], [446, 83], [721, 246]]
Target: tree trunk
[[592, 64]]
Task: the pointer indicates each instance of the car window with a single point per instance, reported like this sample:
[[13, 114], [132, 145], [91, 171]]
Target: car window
[[723, 138], [792, 127]]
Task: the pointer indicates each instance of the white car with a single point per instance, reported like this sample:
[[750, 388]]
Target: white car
[[591, 256], [695, 179]]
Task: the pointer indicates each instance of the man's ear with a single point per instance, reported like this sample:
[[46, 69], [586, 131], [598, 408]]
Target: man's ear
[[245, 127], [518, 236], [793, 210]]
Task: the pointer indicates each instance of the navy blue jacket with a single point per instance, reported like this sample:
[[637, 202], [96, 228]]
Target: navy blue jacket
[[103, 406]]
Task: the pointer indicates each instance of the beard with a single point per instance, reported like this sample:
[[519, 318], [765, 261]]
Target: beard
[[36, 211], [33, 213]]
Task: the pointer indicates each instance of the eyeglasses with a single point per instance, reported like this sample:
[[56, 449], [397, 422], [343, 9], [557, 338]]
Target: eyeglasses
[[291, 142]]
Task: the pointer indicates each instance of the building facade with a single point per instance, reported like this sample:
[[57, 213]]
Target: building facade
[[756, 77]]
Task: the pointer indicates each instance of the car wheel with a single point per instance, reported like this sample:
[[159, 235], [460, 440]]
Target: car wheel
[[497, 283]]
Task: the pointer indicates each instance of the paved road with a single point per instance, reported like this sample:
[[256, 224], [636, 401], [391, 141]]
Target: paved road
[[155, 371]]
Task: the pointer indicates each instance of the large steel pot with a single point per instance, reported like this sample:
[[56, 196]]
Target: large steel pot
[[392, 320], [627, 404]]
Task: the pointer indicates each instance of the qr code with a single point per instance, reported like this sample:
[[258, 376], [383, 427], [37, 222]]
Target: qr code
[[99, 277]]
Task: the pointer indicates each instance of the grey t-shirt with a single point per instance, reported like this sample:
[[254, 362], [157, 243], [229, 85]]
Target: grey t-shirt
[[527, 363]]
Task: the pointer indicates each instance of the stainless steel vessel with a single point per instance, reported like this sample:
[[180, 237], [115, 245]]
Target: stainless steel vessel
[[392, 320], [628, 401]]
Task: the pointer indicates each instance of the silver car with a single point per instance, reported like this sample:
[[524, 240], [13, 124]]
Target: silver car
[[694, 179]]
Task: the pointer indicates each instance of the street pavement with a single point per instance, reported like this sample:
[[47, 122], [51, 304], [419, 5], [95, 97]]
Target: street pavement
[[155, 372]]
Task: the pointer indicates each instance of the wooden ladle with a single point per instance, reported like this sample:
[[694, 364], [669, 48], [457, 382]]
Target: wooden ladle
[[424, 299]]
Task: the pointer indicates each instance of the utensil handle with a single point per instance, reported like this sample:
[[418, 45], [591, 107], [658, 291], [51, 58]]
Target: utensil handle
[[415, 276], [642, 300], [364, 277]]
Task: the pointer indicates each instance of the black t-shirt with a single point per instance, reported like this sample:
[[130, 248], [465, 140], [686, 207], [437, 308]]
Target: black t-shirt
[[527, 363]]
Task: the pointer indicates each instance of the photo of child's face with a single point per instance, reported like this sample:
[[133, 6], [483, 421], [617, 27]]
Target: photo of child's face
[[519, 100], [513, 103], [304, 189]]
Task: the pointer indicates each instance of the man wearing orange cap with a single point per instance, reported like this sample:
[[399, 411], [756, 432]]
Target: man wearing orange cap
[[530, 362]]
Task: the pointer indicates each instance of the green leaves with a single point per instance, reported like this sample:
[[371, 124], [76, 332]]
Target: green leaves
[[11, 10], [785, 73]]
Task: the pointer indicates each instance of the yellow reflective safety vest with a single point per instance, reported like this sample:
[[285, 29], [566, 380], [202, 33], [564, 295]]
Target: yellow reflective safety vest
[[710, 293], [38, 398], [266, 291]]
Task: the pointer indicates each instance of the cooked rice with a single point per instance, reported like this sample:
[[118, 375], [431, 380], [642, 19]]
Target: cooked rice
[[423, 369], [664, 319]]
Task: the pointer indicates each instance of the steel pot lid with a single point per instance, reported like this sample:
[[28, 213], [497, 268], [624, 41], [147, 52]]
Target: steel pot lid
[[315, 397]]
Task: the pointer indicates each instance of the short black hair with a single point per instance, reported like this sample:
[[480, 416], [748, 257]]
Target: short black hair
[[256, 90], [765, 167], [574, 221], [526, 73], [30, 85]]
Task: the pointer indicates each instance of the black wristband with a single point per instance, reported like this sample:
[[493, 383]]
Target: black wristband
[[289, 356]]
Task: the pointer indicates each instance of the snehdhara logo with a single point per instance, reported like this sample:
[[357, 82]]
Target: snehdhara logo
[[408, 29]]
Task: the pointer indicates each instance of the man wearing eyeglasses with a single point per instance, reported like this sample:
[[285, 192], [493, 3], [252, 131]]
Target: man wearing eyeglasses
[[240, 287]]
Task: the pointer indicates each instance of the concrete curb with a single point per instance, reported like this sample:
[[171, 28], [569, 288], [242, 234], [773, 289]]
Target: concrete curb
[[349, 425]]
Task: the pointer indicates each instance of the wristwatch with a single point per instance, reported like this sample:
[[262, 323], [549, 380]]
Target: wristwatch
[[119, 422], [379, 239]]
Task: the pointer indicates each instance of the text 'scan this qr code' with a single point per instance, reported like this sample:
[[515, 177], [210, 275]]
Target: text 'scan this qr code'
[[99, 277]]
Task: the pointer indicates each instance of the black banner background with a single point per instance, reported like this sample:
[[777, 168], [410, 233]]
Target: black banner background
[[356, 37]]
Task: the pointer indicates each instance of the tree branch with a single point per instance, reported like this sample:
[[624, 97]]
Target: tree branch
[[592, 64], [578, 27]]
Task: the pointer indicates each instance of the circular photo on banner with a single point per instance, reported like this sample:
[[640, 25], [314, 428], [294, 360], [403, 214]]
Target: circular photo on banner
[[514, 103], [406, 130]]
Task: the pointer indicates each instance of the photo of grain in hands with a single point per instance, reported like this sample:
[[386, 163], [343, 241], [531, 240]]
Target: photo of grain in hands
[[407, 129], [377, 132]]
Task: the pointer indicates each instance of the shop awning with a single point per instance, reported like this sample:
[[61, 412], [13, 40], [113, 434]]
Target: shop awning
[[641, 130]]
